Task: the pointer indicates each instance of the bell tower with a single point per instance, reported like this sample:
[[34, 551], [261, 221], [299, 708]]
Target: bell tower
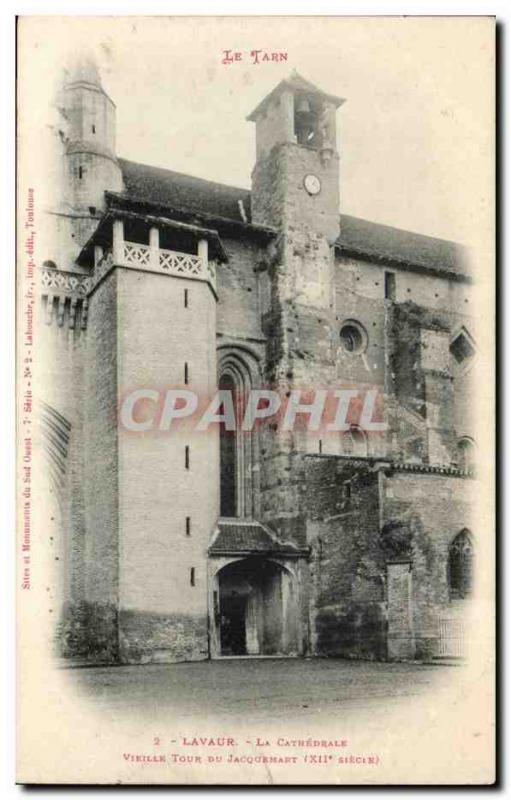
[[295, 181], [295, 189]]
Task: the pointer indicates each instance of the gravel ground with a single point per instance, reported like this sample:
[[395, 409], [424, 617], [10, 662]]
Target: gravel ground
[[239, 689]]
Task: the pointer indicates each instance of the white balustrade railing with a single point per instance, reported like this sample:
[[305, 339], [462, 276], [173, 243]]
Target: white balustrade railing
[[169, 262], [136, 255], [56, 281], [182, 264]]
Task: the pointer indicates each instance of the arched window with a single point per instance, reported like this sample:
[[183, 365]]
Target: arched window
[[238, 371], [460, 567], [354, 442], [228, 459], [466, 452]]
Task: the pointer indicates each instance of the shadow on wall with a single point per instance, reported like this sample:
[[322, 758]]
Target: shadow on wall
[[357, 631]]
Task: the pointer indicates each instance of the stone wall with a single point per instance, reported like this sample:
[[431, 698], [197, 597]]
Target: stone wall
[[59, 377], [298, 316], [279, 198], [101, 473], [341, 501], [364, 522], [428, 396], [239, 310], [433, 509]]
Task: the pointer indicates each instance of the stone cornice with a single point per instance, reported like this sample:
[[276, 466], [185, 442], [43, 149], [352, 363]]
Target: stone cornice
[[387, 465]]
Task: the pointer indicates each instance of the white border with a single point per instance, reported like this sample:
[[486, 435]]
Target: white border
[[500, 8]]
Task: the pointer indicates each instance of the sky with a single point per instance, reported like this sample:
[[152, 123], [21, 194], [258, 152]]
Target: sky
[[415, 133]]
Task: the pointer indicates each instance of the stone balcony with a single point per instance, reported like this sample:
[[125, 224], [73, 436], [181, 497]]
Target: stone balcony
[[58, 282], [114, 250], [64, 295]]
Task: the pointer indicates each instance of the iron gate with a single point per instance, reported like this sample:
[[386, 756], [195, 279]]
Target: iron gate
[[451, 637]]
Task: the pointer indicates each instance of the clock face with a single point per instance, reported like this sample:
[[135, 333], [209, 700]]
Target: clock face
[[312, 184]]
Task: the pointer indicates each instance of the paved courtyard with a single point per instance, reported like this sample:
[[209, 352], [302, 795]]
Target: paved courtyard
[[241, 689]]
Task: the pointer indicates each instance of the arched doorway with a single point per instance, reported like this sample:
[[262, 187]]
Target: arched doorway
[[257, 609]]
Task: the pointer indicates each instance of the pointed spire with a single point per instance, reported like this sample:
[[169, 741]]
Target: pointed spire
[[83, 69]]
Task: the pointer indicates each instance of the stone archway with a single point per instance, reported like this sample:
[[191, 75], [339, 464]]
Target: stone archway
[[257, 611]]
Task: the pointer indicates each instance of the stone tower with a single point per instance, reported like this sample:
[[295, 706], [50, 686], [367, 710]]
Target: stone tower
[[149, 501], [295, 189], [84, 158], [295, 183], [92, 165], [152, 496]]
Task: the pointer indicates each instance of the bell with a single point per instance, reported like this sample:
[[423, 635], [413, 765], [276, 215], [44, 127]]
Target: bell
[[304, 108]]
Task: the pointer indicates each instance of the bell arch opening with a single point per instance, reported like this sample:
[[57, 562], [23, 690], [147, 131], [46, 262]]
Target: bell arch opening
[[257, 609]]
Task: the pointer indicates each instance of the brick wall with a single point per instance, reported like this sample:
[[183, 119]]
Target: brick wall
[[162, 608]]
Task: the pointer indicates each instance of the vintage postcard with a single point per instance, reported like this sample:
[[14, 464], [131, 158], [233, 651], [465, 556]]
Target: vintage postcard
[[255, 360]]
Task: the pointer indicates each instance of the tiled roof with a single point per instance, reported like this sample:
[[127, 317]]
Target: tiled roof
[[157, 185], [248, 536], [358, 236], [393, 244]]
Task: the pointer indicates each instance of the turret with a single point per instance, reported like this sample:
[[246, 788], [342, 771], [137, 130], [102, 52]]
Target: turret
[[92, 166]]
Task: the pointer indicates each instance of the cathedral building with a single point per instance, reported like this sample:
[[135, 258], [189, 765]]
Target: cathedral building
[[193, 544]]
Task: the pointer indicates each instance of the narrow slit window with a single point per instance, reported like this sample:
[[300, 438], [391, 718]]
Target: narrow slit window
[[192, 576], [80, 172], [390, 286], [188, 526], [93, 129], [186, 298], [187, 457], [187, 371]]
